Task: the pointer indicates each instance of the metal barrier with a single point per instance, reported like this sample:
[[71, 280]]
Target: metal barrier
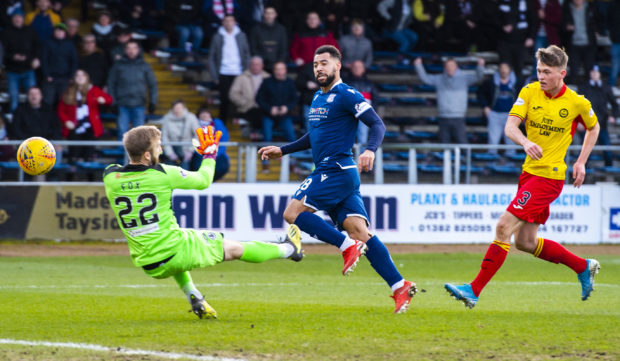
[[451, 173]]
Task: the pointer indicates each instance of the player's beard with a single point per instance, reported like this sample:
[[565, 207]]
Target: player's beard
[[154, 158], [328, 80]]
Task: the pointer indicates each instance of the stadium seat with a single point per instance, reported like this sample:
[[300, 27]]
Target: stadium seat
[[418, 136], [91, 165], [485, 157], [472, 169], [112, 152], [516, 157], [394, 88], [505, 169], [395, 168], [609, 170], [306, 154], [9, 165], [430, 168]]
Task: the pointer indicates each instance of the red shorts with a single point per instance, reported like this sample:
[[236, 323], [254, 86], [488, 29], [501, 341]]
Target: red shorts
[[533, 198]]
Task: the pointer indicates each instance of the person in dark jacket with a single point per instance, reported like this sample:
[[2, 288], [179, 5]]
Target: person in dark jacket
[[187, 20], [58, 64], [35, 119], [229, 56], [307, 86], [367, 88], [21, 47], [277, 98], [7, 8], [519, 25], [601, 96], [309, 39], [268, 39], [399, 15], [42, 19], [496, 96], [579, 18], [614, 35], [93, 61], [128, 82], [123, 35], [103, 30]]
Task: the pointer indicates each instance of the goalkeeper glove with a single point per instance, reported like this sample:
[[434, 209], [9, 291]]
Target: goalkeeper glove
[[207, 142]]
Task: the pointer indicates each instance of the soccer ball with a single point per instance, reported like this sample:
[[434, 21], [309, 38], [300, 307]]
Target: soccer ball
[[36, 156]]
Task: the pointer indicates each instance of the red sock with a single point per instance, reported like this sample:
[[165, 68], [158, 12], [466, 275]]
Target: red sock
[[554, 252], [493, 260]]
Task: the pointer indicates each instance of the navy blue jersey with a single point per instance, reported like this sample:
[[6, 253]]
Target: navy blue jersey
[[333, 121]]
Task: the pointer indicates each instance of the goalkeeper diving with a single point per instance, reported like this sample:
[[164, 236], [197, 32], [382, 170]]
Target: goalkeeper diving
[[140, 194]]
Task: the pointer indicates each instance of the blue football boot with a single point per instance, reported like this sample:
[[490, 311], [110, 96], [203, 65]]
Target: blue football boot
[[586, 278], [462, 293]]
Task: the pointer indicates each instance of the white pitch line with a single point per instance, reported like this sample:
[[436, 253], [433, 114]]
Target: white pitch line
[[118, 350]]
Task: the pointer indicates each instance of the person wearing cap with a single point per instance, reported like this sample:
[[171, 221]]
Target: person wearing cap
[[601, 96], [21, 47], [59, 62], [42, 19]]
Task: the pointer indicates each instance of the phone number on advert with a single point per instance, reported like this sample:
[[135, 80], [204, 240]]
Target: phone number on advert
[[455, 228]]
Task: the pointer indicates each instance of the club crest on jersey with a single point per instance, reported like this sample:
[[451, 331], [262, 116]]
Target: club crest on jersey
[[563, 112], [330, 98]]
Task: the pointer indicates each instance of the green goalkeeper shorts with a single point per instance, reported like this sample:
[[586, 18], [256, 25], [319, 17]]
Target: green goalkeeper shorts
[[200, 248]]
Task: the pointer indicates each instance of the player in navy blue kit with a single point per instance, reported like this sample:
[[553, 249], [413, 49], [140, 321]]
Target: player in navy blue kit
[[333, 187]]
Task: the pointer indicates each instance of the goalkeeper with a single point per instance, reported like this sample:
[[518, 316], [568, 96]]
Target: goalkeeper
[[140, 194]]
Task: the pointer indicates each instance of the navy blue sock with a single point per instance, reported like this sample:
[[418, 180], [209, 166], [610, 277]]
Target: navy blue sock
[[381, 261], [319, 229]]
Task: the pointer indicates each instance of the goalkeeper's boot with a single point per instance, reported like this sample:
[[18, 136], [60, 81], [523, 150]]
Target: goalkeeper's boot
[[293, 237], [462, 293], [586, 278], [402, 296], [201, 308], [352, 256]]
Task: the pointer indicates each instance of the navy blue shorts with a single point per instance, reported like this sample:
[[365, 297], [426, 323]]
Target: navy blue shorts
[[334, 190]]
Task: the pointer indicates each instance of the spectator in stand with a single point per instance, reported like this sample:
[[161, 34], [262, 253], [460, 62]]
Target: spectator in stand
[[214, 12], [294, 11], [21, 48], [268, 39], [73, 26], [129, 81], [59, 62], [460, 25], [7, 8], [7, 152], [602, 98], [179, 125], [78, 111], [356, 46], [243, 93], [488, 27], [496, 96], [335, 14], [361, 83], [550, 19], [34, 119], [43, 19], [277, 98], [103, 30], [307, 87], [187, 20], [93, 61], [117, 52], [580, 20], [309, 39], [614, 35], [428, 18], [519, 23], [222, 163], [229, 56], [452, 88], [399, 16]]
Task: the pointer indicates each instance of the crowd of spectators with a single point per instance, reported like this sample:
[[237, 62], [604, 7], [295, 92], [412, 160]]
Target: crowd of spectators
[[248, 47]]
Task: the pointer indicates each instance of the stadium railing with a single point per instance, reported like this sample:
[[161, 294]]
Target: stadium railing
[[456, 159]]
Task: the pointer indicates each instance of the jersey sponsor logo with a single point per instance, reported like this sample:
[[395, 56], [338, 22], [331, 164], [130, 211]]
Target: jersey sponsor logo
[[331, 97], [563, 112], [323, 177], [144, 230], [519, 101], [319, 111], [362, 107]]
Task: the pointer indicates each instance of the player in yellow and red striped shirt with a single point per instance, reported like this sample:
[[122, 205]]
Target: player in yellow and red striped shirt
[[551, 112]]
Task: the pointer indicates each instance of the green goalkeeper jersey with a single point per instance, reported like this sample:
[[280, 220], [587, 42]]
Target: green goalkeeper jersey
[[141, 197]]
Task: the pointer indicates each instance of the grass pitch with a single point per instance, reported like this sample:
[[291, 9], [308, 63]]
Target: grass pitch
[[282, 310]]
